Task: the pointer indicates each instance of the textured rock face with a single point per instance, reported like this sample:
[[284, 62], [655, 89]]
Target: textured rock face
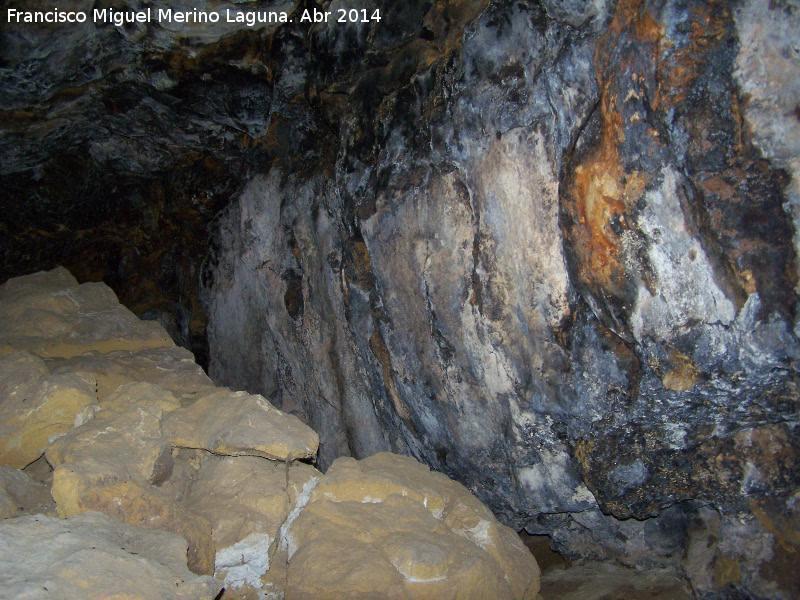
[[548, 248], [21, 495], [118, 146], [553, 256], [98, 557], [36, 407]]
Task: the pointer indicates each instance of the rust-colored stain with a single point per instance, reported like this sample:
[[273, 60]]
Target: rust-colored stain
[[717, 185], [583, 452], [381, 352], [682, 373], [601, 195], [646, 79]]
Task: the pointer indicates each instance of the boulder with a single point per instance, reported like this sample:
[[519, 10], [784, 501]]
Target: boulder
[[76, 491], [49, 314], [92, 556], [237, 423], [124, 445], [20, 495], [113, 465], [36, 407], [246, 499], [410, 533], [171, 367]]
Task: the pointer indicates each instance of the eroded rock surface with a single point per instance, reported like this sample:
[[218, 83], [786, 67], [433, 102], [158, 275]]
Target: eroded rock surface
[[410, 533], [37, 407], [95, 556], [551, 254]]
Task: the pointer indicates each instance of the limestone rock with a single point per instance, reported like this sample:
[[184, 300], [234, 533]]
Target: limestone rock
[[49, 315], [128, 445], [550, 248], [246, 499], [172, 368], [563, 271], [410, 533], [113, 463], [77, 489], [394, 548], [20, 495], [92, 556], [237, 423], [137, 394], [36, 408]]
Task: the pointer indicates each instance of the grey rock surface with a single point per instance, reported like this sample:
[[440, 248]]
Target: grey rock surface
[[547, 247], [21, 495], [98, 557], [545, 258]]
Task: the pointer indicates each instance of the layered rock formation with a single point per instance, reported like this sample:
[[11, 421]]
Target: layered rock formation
[[187, 474], [553, 257], [548, 247]]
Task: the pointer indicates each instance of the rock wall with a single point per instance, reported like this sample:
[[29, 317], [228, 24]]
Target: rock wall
[[550, 250]]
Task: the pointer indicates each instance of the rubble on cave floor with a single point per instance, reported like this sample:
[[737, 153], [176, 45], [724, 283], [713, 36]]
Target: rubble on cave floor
[[156, 484]]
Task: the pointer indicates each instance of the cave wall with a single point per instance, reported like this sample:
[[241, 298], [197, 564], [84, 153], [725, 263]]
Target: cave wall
[[548, 247], [118, 145]]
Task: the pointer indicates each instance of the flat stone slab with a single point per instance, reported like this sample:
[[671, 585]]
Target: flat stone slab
[[93, 556], [171, 367], [49, 314], [237, 424]]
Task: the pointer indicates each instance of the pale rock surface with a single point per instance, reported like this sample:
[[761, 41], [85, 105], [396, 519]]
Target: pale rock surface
[[237, 423], [20, 495], [76, 491], [153, 445], [246, 499], [139, 394], [410, 533], [49, 314], [172, 368], [113, 465], [553, 256], [97, 558], [127, 444], [768, 72], [36, 408]]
